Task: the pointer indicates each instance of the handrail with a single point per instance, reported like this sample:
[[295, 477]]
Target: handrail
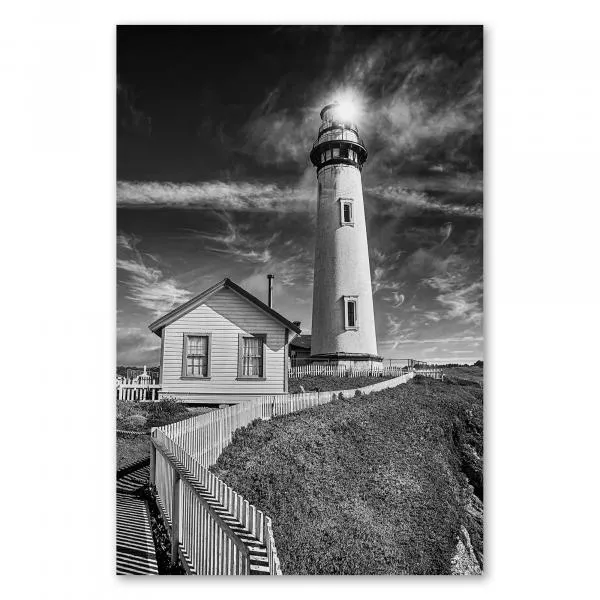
[[354, 140]]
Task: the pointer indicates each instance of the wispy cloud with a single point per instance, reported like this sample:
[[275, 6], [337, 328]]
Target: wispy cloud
[[399, 199], [237, 241], [396, 299], [137, 346], [380, 280], [131, 119], [230, 196], [292, 265], [147, 285], [281, 137], [446, 231], [418, 106], [446, 340], [461, 300], [396, 331]]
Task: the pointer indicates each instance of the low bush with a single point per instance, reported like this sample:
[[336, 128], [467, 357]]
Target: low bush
[[135, 422], [126, 408], [166, 411]]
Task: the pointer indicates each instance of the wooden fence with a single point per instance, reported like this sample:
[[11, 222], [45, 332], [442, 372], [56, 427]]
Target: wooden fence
[[330, 370], [130, 389], [435, 372], [214, 530]]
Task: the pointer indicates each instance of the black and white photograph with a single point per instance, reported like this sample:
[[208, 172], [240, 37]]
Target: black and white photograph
[[254, 300], [299, 378]]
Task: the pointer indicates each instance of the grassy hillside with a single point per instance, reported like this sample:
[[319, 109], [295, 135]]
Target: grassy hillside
[[326, 383], [379, 484]]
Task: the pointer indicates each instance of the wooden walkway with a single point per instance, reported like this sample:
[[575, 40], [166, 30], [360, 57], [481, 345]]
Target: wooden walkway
[[135, 546]]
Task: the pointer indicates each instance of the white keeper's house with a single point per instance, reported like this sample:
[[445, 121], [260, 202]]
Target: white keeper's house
[[223, 346]]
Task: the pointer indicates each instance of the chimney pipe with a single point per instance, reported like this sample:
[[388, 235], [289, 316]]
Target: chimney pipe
[[270, 301]]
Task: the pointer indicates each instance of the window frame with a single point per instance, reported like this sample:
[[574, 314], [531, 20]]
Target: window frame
[[343, 203], [240, 375], [347, 301], [186, 336]]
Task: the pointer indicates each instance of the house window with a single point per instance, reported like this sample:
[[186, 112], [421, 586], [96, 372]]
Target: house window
[[251, 362], [346, 211], [196, 355], [351, 312]]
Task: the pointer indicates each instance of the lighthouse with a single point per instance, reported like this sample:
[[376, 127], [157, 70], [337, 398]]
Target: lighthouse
[[343, 323]]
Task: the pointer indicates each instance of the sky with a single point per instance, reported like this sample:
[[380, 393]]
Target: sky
[[214, 129]]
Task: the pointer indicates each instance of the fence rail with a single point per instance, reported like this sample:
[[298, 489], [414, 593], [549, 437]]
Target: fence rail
[[332, 370], [435, 372], [198, 509], [209, 521], [135, 391]]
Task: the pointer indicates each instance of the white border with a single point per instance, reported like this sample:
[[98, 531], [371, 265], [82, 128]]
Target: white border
[[542, 326]]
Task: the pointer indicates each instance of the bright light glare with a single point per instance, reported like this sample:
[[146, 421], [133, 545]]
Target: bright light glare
[[346, 110]]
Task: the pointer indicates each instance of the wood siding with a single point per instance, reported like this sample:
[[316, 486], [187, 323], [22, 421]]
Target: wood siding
[[225, 315]]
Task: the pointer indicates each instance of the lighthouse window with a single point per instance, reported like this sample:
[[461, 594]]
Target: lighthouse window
[[350, 312], [336, 152], [346, 211]]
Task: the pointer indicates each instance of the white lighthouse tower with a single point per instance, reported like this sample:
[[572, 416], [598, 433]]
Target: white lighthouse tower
[[343, 323]]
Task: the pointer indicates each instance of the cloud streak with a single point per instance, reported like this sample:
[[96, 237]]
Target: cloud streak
[[230, 196], [398, 200], [147, 286], [237, 241]]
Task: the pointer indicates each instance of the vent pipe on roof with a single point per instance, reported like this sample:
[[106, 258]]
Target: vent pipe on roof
[[270, 296]]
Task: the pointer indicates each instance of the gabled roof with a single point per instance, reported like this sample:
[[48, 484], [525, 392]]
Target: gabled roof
[[188, 306], [302, 341]]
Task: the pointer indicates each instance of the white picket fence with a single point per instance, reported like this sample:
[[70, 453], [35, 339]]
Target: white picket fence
[[132, 389], [435, 372], [329, 370], [214, 530]]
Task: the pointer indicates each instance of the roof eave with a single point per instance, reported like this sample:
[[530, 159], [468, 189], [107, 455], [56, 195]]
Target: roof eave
[[158, 325]]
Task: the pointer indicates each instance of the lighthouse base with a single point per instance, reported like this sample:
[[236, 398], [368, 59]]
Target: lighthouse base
[[349, 361]]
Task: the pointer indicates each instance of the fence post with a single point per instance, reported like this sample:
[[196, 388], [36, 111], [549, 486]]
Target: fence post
[[152, 462], [175, 519]]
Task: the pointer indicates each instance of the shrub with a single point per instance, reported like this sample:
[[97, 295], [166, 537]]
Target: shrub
[[166, 411], [135, 422], [126, 408]]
